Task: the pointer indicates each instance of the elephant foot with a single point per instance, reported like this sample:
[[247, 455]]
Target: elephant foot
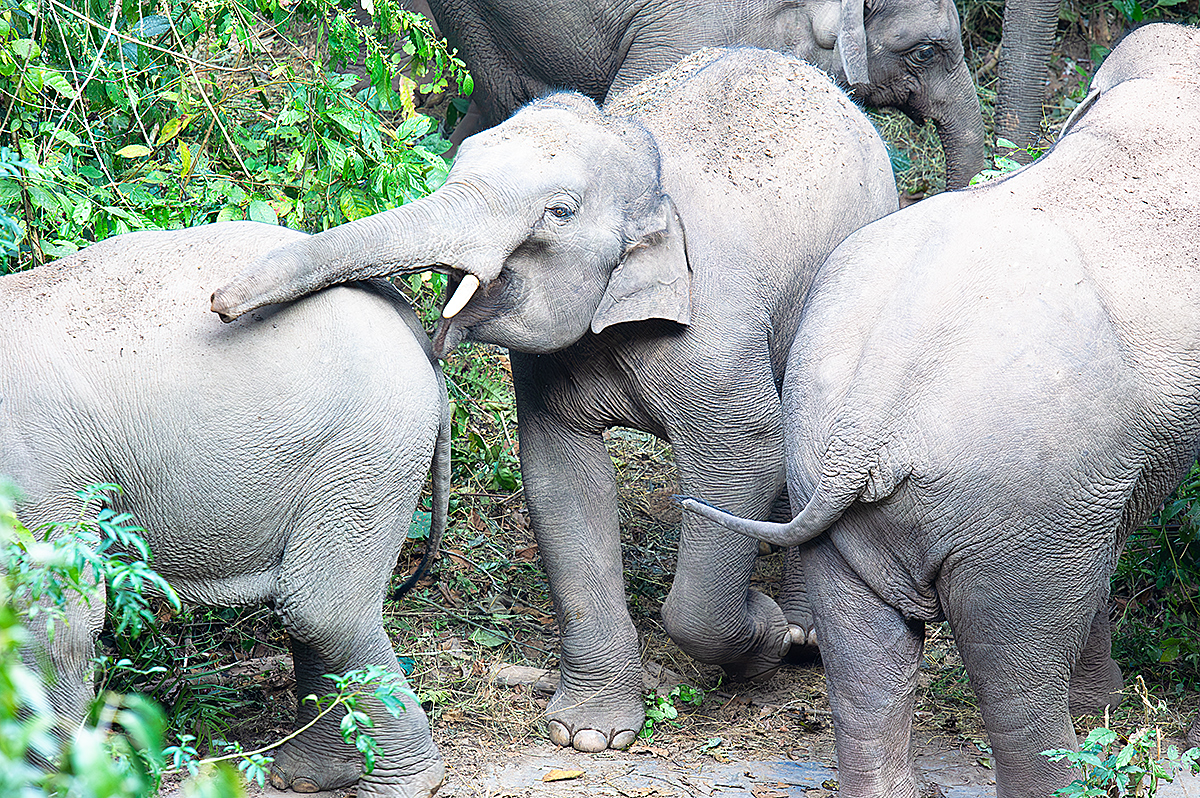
[[297, 769], [591, 726], [1094, 690], [420, 785], [804, 649], [763, 661]]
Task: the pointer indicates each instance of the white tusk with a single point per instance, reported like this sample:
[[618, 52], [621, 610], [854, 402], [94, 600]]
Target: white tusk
[[462, 295]]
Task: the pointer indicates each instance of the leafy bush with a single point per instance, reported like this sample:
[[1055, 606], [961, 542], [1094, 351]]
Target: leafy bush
[[140, 115], [1157, 592]]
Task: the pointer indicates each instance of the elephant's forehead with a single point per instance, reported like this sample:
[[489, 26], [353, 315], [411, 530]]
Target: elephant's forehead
[[524, 153]]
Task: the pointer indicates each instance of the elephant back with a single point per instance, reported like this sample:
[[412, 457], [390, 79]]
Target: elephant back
[[768, 161]]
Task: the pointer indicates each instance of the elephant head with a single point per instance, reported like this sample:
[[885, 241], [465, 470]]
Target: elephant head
[[904, 54], [549, 225]]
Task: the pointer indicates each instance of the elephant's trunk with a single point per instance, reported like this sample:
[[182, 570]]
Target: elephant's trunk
[[1028, 37], [960, 127], [444, 230]]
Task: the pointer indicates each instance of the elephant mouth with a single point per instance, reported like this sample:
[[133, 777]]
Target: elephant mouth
[[460, 288]]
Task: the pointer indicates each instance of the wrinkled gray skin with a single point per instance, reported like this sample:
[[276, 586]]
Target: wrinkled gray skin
[[905, 54], [574, 220], [989, 390], [274, 461]]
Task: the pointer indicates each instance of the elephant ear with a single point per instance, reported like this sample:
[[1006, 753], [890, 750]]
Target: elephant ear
[[852, 42], [653, 279]]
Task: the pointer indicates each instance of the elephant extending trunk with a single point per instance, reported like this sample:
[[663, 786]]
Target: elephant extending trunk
[[424, 234], [960, 127]]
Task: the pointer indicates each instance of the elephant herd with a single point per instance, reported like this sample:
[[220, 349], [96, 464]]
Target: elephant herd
[[969, 403]]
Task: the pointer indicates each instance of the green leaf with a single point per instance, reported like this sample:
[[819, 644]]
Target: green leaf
[[55, 80], [133, 151], [419, 528], [170, 130], [485, 638], [354, 204], [261, 211], [230, 213]]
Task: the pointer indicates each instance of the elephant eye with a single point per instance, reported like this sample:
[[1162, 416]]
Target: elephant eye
[[561, 211], [923, 54]]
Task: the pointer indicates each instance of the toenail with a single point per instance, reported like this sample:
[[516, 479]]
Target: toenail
[[590, 741], [622, 740], [559, 735]]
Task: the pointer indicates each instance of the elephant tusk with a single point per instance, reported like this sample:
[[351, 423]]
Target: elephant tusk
[[462, 295]]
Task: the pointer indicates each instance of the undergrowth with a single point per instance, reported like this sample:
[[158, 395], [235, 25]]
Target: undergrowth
[[135, 115]]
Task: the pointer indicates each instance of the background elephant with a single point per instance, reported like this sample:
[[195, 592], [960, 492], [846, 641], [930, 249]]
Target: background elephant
[[988, 391], [277, 461], [905, 54], [1027, 38], [571, 222]]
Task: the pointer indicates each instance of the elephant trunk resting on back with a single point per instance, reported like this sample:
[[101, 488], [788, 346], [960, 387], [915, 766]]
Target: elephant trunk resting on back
[[988, 391], [645, 265], [276, 461], [904, 54]]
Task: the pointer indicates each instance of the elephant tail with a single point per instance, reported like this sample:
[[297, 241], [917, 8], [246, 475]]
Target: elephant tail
[[440, 503], [818, 515], [855, 468]]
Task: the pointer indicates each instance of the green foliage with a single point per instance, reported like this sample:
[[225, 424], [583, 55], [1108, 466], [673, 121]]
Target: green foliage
[[145, 115], [1112, 770], [1157, 590], [119, 754], [1004, 163], [482, 414], [1137, 11], [664, 710]]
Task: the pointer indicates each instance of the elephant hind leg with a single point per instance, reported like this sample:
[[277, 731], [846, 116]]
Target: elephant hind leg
[[409, 765], [331, 606], [872, 657], [1019, 647], [1096, 681]]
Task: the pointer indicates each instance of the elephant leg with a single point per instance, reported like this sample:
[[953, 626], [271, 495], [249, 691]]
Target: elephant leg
[[1019, 640], [871, 656], [793, 600], [409, 765], [1193, 735], [711, 612], [570, 487], [332, 610], [1096, 681]]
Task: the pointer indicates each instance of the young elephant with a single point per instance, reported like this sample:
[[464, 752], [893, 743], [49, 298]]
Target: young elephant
[[645, 264], [276, 461], [989, 390]]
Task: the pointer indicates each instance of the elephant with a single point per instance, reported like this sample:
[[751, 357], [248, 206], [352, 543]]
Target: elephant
[[1027, 37], [278, 461], [905, 54], [987, 392], [644, 264]]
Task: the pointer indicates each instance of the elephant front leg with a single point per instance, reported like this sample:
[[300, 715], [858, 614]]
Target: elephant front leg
[[570, 487], [711, 612]]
